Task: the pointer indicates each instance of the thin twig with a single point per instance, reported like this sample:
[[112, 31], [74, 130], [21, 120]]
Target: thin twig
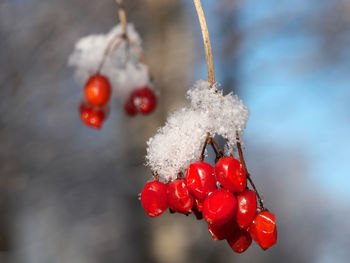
[[201, 158], [122, 15], [206, 41], [118, 39], [140, 56], [215, 150], [155, 175], [112, 45], [241, 157], [221, 153]]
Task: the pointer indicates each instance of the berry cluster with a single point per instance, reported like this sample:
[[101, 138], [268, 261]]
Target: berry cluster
[[113, 61], [219, 195], [98, 91]]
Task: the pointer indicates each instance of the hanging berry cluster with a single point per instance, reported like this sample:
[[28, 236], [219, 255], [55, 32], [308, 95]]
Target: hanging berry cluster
[[113, 61], [185, 184], [220, 195]]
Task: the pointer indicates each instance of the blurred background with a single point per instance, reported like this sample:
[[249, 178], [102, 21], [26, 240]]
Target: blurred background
[[69, 193]]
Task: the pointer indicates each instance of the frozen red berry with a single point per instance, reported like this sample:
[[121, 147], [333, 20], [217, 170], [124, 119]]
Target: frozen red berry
[[154, 198], [230, 174], [130, 108], [263, 229], [219, 207], [91, 116], [144, 100], [246, 208], [239, 240], [200, 179], [180, 199], [223, 231], [97, 90]]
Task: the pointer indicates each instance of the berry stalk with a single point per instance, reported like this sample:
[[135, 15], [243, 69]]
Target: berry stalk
[[120, 38], [113, 44], [201, 158], [122, 15], [214, 144], [241, 157], [206, 41]]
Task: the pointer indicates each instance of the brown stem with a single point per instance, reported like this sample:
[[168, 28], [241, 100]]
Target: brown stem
[[140, 56], [206, 41], [221, 153], [118, 39], [113, 44], [122, 15], [201, 158], [155, 175], [218, 152], [137, 50], [241, 157]]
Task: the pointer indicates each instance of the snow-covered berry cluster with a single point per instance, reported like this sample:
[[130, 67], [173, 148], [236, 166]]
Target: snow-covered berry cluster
[[112, 61], [184, 183], [219, 195]]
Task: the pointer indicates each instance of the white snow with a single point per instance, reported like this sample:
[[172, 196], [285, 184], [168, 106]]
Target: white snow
[[122, 67], [179, 143]]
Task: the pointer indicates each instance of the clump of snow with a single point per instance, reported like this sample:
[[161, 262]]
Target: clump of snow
[[122, 67], [179, 143]]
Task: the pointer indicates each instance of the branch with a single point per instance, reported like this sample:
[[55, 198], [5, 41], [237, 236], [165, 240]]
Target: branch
[[122, 15], [206, 41], [241, 157]]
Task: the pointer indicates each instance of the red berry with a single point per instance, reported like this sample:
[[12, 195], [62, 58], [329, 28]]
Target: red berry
[[154, 198], [219, 207], [223, 231], [200, 179], [239, 240], [97, 90], [230, 174], [144, 100], [263, 229], [180, 199], [246, 208], [130, 108], [92, 117]]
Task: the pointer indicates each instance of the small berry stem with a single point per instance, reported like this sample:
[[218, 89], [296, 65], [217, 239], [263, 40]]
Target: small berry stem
[[140, 56], [201, 158], [206, 41], [118, 39], [215, 150], [155, 175], [122, 15], [241, 157], [221, 153], [112, 45]]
